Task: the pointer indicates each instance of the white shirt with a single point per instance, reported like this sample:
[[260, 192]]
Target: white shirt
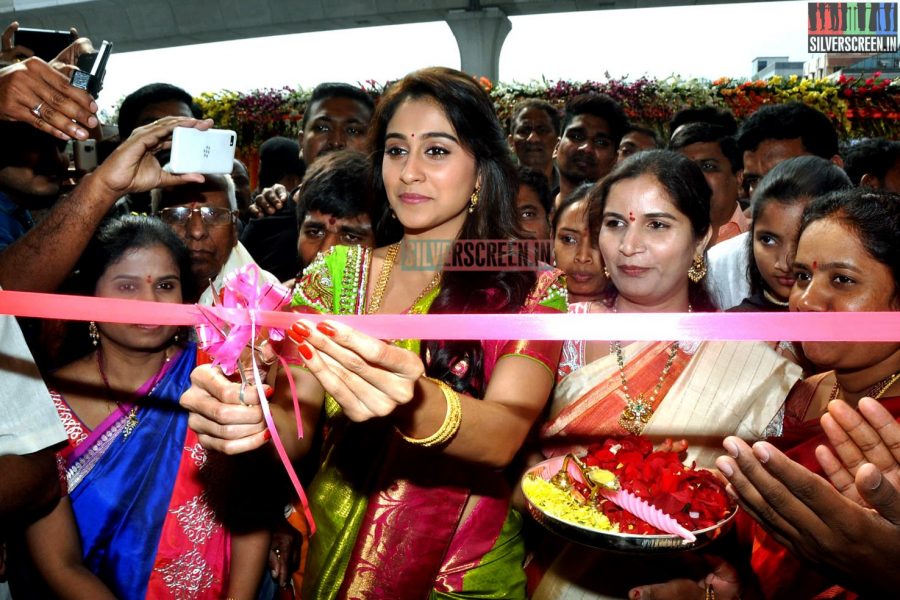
[[28, 419], [728, 282]]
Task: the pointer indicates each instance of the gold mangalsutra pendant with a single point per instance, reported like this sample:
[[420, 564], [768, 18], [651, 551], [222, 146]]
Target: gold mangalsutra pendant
[[130, 424], [636, 415]]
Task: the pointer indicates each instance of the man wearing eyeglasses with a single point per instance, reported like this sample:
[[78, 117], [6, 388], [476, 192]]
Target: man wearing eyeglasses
[[204, 215]]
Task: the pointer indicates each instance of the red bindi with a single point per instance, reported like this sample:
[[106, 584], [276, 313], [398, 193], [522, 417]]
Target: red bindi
[[412, 135], [631, 216], [331, 221], [149, 279], [815, 265]]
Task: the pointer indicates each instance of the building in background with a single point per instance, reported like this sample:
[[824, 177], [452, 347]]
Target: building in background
[[766, 67], [863, 66]]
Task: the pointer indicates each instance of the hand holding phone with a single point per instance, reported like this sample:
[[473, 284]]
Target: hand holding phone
[[43, 43], [91, 70], [207, 152]]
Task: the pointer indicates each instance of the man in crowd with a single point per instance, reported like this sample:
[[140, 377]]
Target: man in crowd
[[335, 205], [33, 166], [144, 106], [770, 135], [874, 163], [717, 155], [636, 139], [204, 215], [337, 118], [533, 135], [593, 126]]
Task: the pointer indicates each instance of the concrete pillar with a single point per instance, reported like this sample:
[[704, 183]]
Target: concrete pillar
[[480, 35]]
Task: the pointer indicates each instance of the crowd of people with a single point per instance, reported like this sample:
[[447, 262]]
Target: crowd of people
[[132, 468]]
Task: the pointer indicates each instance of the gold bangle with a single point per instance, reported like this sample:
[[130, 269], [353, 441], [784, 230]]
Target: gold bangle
[[451, 422]]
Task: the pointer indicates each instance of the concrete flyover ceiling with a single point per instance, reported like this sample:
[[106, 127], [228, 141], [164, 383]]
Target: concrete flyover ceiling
[[480, 27]]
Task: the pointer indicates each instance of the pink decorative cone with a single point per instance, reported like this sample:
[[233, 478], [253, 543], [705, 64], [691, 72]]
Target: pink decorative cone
[[650, 514]]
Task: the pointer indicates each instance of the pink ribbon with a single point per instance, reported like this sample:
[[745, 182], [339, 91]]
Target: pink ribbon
[[812, 327], [245, 291]]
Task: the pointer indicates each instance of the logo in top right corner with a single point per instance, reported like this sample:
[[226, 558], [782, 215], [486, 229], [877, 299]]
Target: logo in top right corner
[[852, 27]]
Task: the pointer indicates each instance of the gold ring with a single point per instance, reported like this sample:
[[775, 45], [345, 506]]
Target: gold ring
[[710, 592]]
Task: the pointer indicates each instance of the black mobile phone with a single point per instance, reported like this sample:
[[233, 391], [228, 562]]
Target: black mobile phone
[[45, 43], [92, 69]]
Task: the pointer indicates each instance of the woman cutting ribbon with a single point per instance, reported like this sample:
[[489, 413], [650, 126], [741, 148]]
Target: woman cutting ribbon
[[407, 500]]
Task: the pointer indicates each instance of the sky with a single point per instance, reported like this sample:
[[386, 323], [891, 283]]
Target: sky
[[707, 41]]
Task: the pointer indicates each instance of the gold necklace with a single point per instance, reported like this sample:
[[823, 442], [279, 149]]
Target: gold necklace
[[132, 414], [390, 258], [774, 300], [876, 391], [637, 412]]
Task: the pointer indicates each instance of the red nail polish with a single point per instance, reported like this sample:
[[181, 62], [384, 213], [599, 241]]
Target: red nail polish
[[266, 435], [301, 329], [305, 351], [269, 391], [295, 337], [327, 329]]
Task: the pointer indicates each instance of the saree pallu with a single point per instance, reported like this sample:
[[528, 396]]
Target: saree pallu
[[397, 521], [713, 389], [139, 500], [779, 574]]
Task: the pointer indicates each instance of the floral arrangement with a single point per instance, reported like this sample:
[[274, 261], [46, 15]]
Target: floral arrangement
[[625, 485], [858, 107]]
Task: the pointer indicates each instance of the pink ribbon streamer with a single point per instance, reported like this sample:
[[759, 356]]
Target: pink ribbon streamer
[[245, 290], [812, 327]]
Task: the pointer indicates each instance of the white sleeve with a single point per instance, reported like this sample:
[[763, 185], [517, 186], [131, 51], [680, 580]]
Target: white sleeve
[[28, 420], [728, 262]]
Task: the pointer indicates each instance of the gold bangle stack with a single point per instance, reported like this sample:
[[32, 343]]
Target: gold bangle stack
[[451, 422]]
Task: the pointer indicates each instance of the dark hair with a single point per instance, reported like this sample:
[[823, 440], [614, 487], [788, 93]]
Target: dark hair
[[471, 113], [699, 133], [873, 215], [683, 181], [538, 182], [121, 235], [789, 121], [115, 238], [337, 184], [152, 93], [279, 156], [797, 179], [601, 106], [540, 105], [875, 156], [325, 91], [712, 115], [648, 131], [577, 195]]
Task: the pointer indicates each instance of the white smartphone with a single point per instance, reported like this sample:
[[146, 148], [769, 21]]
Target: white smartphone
[[85, 155], [195, 151]]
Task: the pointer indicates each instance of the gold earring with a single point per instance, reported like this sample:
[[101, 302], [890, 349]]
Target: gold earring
[[473, 201], [605, 272], [94, 333], [698, 269]]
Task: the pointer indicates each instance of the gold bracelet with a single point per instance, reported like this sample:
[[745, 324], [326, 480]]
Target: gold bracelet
[[451, 422]]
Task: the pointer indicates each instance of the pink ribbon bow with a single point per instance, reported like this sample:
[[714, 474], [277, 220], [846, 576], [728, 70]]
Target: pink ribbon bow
[[225, 341]]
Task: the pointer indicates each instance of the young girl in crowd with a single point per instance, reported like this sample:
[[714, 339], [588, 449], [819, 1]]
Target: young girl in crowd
[[407, 501], [776, 208], [137, 479], [575, 248], [651, 215]]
